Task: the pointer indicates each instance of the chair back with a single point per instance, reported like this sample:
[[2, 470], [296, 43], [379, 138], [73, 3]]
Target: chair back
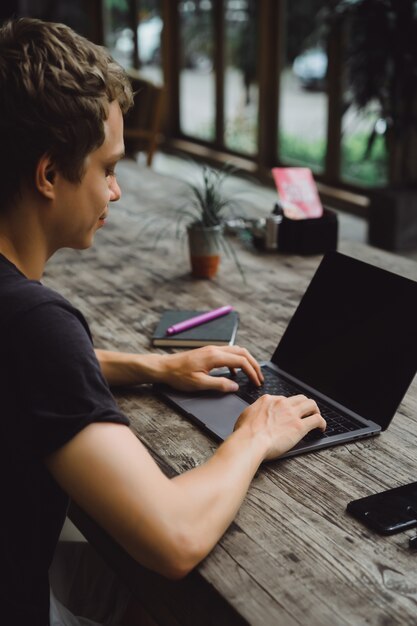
[[143, 121]]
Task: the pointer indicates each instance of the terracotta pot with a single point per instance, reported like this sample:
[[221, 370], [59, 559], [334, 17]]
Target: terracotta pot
[[204, 245]]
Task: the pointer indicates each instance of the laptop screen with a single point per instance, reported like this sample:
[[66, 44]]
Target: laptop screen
[[354, 337]]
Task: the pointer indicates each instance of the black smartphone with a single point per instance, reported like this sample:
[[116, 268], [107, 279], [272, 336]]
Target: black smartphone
[[387, 512]]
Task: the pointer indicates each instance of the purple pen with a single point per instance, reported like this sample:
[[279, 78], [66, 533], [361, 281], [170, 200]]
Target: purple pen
[[198, 319]]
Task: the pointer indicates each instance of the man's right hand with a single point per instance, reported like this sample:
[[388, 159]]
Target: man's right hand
[[281, 422], [170, 525]]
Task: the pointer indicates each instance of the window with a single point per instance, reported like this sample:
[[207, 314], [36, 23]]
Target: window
[[259, 80], [197, 84], [303, 91], [363, 163], [241, 76], [134, 38]]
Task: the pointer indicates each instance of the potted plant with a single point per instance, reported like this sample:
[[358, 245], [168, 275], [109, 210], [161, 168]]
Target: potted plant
[[205, 212], [202, 216], [380, 64]]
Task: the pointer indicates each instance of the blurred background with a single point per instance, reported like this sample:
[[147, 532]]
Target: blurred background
[[330, 85]]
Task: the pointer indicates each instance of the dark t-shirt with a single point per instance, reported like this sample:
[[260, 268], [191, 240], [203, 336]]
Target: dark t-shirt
[[51, 387]]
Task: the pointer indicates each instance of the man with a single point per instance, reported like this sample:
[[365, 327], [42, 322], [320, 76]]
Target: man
[[61, 136]]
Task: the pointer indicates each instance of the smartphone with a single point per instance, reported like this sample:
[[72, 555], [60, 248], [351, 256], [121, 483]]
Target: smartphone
[[387, 512]]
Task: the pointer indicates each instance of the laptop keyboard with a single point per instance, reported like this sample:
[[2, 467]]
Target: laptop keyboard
[[336, 422]]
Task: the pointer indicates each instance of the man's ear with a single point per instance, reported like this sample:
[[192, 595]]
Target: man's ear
[[45, 175]]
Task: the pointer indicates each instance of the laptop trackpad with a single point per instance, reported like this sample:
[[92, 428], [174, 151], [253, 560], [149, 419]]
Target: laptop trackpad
[[218, 414]]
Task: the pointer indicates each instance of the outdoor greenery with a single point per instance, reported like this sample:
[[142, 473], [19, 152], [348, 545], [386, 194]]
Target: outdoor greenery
[[297, 151], [119, 5], [380, 63], [241, 135], [371, 172], [381, 69]]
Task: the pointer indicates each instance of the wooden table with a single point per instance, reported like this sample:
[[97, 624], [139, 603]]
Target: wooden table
[[292, 556]]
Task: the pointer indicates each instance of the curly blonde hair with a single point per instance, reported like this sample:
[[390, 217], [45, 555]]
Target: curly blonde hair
[[55, 91]]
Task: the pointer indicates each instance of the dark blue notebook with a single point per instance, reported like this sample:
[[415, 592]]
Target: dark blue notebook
[[218, 332]]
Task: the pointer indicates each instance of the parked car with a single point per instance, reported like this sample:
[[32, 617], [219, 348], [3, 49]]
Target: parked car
[[310, 67]]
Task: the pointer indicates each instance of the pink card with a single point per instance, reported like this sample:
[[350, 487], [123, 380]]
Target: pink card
[[297, 191]]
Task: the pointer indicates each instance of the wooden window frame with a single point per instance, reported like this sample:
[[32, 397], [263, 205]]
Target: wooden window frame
[[350, 197]]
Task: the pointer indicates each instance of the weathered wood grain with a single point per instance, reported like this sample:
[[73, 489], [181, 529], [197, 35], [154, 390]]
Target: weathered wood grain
[[293, 556]]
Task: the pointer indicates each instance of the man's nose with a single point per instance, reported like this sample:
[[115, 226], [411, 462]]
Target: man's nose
[[115, 191]]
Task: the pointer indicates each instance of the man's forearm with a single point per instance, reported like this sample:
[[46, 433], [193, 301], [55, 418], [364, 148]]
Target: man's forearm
[[212, 493], [121, 368], [170, 525], [186, 371]]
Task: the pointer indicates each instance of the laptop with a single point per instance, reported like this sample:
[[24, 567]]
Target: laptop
[[351, 345]]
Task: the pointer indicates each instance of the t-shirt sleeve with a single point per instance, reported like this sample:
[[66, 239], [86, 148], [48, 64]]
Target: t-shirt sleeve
[[60, 380]]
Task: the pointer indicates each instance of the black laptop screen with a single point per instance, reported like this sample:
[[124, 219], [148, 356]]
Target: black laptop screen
[[354, 337]]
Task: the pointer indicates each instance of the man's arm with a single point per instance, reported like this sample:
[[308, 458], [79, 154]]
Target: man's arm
[[186, 370], [171, 525]]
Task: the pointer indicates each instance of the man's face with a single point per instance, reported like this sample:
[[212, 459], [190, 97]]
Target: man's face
[[82, 208]]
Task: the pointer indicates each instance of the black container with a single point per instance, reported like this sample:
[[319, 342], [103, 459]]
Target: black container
[[309, 236]]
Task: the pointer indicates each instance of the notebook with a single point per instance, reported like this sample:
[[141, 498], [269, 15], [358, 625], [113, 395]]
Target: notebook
[[218, 332], [351, 345]]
